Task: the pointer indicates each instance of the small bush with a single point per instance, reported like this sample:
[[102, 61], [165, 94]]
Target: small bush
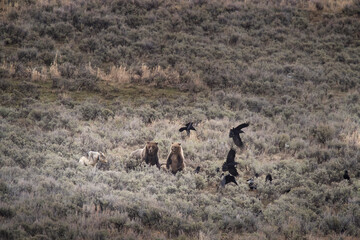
[[13, 34], [27, 55], [323, 133], [85, 80], [67, 70], [6, 234], [60, 31], [4, 83], [6, 212]]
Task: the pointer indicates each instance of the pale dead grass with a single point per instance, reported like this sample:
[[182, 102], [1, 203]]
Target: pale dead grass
[[41, 75], [330, 5]]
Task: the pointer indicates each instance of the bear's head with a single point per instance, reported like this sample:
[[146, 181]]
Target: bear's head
[[176, 147], [152, 148]]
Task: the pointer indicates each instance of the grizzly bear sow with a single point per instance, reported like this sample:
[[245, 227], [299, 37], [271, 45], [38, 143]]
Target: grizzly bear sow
[[175, 160], [149, 154]]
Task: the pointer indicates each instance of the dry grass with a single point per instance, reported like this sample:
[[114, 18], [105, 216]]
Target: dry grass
[[329, 5], [162, 64]]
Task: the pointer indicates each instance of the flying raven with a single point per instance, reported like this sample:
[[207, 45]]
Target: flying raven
[[230, 164], [188, 127], [235, 133]]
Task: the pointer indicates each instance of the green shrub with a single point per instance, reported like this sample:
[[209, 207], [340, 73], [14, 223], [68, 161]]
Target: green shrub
[[6, 234], [6, 212], [323, 133], [12, 34], [27, 55], [60, 31], [67, 70]]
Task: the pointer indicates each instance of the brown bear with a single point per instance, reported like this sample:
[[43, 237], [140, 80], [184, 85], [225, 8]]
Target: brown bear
[[175, 160], [149, 154]]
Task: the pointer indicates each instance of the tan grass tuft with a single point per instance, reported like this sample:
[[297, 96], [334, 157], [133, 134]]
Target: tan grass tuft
[[120, 74], [38, 75], [54, 70]]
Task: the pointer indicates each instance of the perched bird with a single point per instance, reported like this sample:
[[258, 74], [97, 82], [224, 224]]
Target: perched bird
[[227, 179], [235, 134], [197, 170], [268, 178], [251, 184], [287, 190], [346, 175], [188, 127], [229, 164]]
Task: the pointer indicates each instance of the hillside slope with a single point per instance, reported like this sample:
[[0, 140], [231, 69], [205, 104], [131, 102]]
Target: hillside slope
[[110, 75]]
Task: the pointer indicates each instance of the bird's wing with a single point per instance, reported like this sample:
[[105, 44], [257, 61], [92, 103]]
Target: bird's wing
[[237, 141], [182, 129], [230, 179], [233, 171], [243, 125], [224, 167], [235, 182], [192, 128], [232, 164], [231, 156], [188, 124]]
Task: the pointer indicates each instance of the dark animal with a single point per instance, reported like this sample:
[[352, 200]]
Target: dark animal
[[230, 164], [268, 178], [197, 170], [251, 184], [175, 160], [346, 175], [227, 179], [217, 170], [188, 127], [103, 166], [148, 154], [235, 134]]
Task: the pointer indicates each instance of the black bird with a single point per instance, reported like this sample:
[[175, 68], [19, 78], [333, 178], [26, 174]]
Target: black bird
[[268, 178], [188, 127], [287, 190], [229, 164], [197, 170], [251, 184], [217, 169], [235, 134], [346, 175], [227, 179]]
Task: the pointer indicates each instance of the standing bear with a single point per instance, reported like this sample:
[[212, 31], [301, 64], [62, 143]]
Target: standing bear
[[149, 154], [175, 160]]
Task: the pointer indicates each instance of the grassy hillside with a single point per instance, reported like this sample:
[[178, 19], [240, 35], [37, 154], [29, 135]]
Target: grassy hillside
[[109, 75]]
